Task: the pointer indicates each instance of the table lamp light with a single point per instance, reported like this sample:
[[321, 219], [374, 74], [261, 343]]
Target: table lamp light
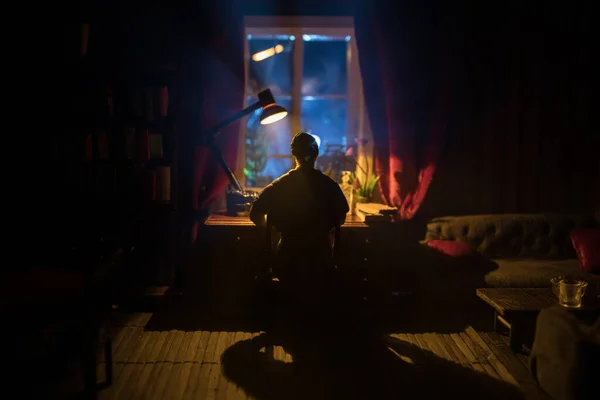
[[238, 199]]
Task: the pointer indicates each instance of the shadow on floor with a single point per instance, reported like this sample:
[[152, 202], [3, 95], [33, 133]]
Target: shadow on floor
[[350, 363], [189, 313]]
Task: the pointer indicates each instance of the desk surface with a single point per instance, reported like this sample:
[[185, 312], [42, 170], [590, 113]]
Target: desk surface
[[226, 220]]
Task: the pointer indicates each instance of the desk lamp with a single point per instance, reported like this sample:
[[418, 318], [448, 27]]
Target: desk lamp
[[238, 199]]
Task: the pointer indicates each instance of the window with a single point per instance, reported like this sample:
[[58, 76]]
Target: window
[[311, 66]]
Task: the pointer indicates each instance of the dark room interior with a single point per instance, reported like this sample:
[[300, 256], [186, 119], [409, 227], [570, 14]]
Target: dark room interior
[[305, 200]]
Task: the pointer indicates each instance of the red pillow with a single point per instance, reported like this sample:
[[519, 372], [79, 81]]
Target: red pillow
[[586, 242], [451, 247]]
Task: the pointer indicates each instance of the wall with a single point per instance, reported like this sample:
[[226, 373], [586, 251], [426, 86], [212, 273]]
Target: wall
[[523, 136]]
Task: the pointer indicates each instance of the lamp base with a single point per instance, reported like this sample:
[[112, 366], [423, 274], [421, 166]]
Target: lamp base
[[240, 201]]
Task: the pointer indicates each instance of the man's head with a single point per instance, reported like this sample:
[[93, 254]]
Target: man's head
[[305, 148]]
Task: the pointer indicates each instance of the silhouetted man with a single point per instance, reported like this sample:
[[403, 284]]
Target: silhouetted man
[[304, 205]]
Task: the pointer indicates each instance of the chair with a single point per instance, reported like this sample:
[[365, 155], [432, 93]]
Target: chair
[[269, 276]]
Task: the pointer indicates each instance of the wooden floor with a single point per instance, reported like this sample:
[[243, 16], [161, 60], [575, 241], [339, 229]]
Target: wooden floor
[[176, 364]]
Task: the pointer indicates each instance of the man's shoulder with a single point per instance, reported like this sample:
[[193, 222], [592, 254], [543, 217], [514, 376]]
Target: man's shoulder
[[292, 175], [282, 178], [278, 181], [329, 180]]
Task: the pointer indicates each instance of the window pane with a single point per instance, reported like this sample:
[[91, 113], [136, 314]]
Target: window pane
[[264, 141], [325, 118], [324, 70], [270, 64]]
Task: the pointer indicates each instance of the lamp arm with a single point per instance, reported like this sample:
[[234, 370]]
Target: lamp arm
[[233, 180], [209, 135], [207, 138]]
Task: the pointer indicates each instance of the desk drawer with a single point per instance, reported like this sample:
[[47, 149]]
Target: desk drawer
[[228, 260]]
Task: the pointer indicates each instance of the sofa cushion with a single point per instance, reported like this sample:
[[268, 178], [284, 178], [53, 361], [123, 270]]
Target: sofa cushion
[[535, 273], [513, 235], [453, 248], [586, 243]]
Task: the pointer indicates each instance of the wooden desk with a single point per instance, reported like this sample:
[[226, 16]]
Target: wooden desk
[[232, 251], [225, 220]]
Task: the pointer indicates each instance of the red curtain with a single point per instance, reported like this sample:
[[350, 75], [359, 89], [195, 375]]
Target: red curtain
[[406, 69], [223, 96], [222, 84]]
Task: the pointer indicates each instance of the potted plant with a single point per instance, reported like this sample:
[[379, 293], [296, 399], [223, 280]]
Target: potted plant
[[363, 191], [257, 150]]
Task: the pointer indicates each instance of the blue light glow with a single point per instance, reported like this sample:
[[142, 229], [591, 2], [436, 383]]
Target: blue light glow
[[324, 38], [318, 139]]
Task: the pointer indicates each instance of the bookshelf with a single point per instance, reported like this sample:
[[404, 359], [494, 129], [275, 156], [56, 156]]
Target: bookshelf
[[116, 158]]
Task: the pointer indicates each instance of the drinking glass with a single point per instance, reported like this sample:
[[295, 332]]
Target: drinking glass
[[569, 291]]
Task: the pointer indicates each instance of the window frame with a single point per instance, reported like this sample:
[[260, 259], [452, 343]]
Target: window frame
[[298, 26]]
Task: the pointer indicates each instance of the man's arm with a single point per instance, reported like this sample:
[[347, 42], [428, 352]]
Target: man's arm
[[261, 207]]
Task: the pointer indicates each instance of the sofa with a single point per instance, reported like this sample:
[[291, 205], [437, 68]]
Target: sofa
[[511, 250]]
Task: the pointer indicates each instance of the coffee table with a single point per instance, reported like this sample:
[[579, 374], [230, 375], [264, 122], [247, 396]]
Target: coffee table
[[517, 309]]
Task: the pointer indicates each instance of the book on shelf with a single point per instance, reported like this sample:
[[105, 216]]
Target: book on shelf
[[156, 145], [101, 144], [163, 184], [103, 151], [130, 145], [163, 101], [143, 144]]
